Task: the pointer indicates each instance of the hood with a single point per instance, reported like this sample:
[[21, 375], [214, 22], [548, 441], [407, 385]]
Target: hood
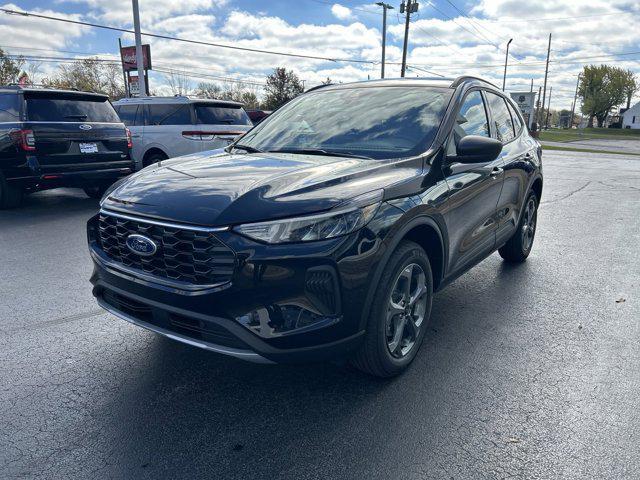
[[226, 189]]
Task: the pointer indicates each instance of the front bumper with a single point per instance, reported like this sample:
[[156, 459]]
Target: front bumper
[[284, 303]]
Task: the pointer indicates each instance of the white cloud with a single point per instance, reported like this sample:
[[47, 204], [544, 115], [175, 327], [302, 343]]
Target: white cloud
[[341, 12]]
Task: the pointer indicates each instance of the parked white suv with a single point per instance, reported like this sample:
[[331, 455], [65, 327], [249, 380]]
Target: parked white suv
[[167, 127]]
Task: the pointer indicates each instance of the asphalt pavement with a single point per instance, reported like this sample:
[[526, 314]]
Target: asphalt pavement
[[529, 371]]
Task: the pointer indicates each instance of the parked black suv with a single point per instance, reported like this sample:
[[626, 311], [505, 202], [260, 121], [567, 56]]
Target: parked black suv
[[59, 138], [324, 231]]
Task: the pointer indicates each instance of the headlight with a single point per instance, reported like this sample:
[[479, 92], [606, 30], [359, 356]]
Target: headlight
[[344, 219]]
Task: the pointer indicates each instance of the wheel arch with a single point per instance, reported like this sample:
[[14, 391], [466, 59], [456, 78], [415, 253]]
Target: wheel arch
[[536, 186], [152, 151], [424, 231]]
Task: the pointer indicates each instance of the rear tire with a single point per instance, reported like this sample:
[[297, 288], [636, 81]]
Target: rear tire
[[153, 158], [10, 195], [396, 327], [519, 246]]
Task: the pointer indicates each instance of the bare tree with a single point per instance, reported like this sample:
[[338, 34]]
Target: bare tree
[[179, 82], [90, 75]]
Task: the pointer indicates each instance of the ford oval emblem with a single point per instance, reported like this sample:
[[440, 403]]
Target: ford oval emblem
[[84, 126], [141, 245]]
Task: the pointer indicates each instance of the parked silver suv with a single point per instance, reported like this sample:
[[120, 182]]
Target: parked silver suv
[[167, 127]]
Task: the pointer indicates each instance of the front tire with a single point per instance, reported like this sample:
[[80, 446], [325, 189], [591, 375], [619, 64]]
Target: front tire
[[399, 314], [519, 246], [96, 191]]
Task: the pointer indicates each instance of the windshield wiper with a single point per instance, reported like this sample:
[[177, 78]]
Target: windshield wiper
[[76, 116], [246, 148], [319, 151]]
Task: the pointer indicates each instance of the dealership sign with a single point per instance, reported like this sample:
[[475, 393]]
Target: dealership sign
[[129, 61], [526, 102]]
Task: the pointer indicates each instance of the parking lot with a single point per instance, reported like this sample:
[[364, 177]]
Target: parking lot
[[529, 371]]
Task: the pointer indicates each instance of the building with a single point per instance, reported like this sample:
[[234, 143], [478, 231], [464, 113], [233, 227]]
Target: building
[[631, 118]]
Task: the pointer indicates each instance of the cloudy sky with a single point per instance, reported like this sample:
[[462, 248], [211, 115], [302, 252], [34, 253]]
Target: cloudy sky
[[447, 38]]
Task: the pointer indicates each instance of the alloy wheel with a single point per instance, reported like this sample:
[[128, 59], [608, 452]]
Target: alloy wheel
[[406, 310], [529, 225]]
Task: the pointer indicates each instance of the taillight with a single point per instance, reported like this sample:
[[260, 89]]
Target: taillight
[[129, 140], [26, 139]]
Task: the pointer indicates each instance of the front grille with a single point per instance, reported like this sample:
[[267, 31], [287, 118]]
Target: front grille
[[183, 255]]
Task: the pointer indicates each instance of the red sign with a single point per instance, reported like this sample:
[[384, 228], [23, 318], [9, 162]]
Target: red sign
[[129, 58]]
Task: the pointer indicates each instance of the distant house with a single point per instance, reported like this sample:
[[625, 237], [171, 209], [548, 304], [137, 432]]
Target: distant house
[[631, 118]]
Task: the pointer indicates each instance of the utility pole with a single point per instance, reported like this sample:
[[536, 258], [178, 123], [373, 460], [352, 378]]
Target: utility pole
[[410, 7], [531, 86], [575, 99], [506, 60], [536, 115], [124, 74], [385, 7], [142, 81], [546, 123], [546, 73]]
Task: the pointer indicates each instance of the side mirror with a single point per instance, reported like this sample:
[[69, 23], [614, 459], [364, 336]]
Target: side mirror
[[476, 149]]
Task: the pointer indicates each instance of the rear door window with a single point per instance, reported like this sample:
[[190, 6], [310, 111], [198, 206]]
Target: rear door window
[[9, 108], [501, 118], [221, 114], [517, 121], [129, 114], [69, 108], [169, 114]]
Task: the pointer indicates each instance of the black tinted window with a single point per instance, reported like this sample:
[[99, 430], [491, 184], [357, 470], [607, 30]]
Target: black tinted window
[[169, 114], [502, 121], [220, 114], [9, 108], [517, 121], [128, 114], [472, 117], [70, 108]]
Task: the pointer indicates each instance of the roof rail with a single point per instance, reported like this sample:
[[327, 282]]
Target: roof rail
[[317, 87], [463, 78]]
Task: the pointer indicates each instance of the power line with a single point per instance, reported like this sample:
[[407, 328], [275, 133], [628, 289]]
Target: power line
[[483, 38], [469, 19], [179, 39], [549, 19]]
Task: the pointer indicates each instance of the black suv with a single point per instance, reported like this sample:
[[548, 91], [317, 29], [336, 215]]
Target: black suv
[[325, 230], [59, 138]]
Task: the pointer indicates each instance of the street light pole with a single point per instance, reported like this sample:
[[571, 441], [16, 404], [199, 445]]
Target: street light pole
[[385, 7], [506, 60], [139, 61]]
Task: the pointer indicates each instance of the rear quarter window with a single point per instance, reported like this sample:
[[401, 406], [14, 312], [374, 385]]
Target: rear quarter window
[[221, 114], [70, 108], [9, 108]]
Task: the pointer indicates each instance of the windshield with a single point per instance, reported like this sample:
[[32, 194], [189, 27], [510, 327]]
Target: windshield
[[376, 122], [221, 114], [72, 108]]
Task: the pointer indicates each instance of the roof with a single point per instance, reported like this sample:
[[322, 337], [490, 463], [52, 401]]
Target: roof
[[179, 99], [44, 90], [441, 82]]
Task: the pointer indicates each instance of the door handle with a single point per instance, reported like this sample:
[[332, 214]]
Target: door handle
[[496, 171]]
